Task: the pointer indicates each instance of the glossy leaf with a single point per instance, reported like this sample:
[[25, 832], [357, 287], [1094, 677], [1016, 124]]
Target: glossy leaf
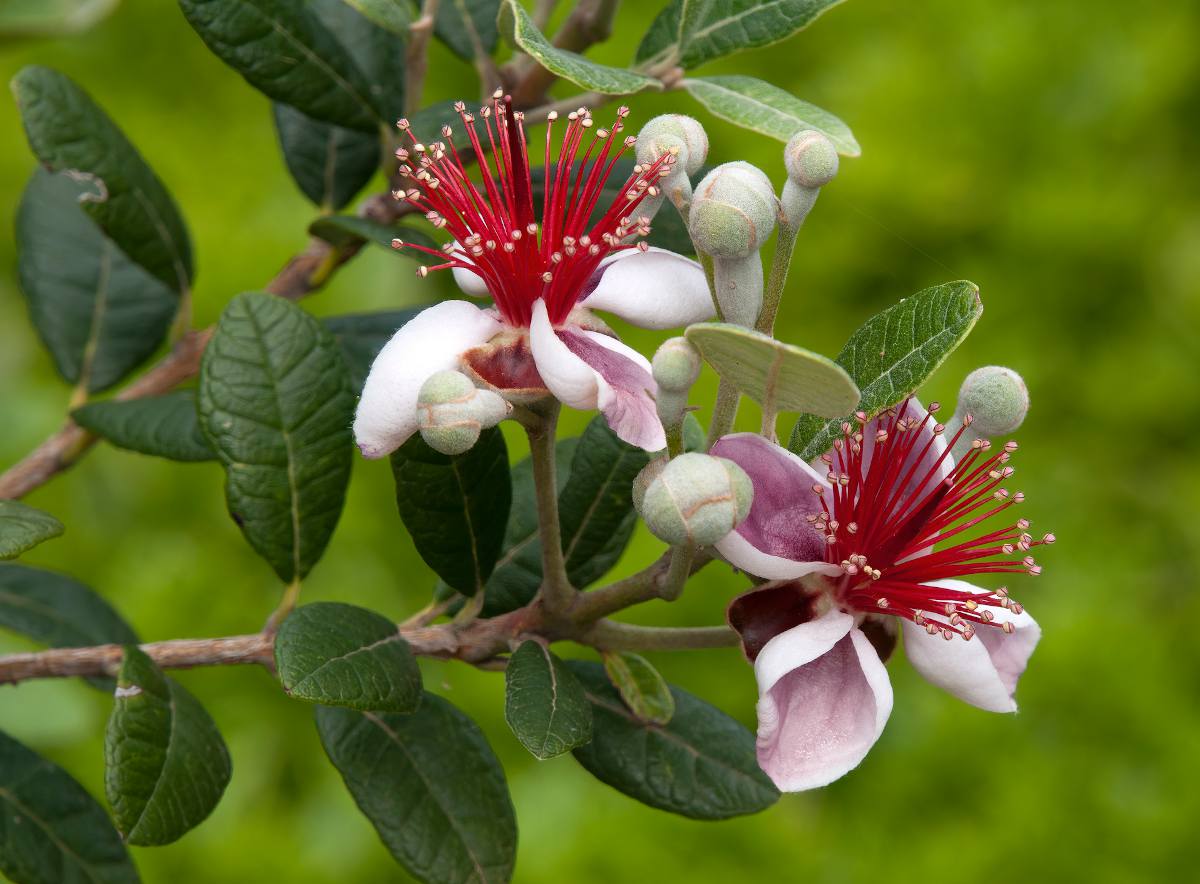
[[343, 655], [162, 426], [544, 703], [22, 528], [777, 375], [283, 49], [377, 52], [520, 30], [51, 830], [769, 110], [701, 765], [644, 691], [68, 132], [455, 507], [431, 786], [50, 18], [58, 611], [276, 405], [165, 764], [362, 335], [893, 353], [330, 164], [692, 32], [468, 26], [518, 572], [596, 506], [98, 312]]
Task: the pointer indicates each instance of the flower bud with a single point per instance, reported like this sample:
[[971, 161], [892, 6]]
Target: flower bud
[[452, 412], [675, 367], [811, 161], [643, 479], [997, 400], [663, 132], [697, 499]]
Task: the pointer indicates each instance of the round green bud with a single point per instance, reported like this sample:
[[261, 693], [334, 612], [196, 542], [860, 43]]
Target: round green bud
[[811, 159], [696, 499], [667, 131], [676, 365], [995, 398], [734, 210], [452, 412]]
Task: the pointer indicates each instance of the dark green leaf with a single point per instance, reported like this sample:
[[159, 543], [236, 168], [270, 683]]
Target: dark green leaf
[[285, 50], [351, 230], [342, 655], [544, 703], [523, 34], [56, 610], [51, 830], [276, 405], [644, 691], [362, 336], [893, 353], [432, 788], [596, 506], [163, 426], [455, 507], [69, 133], [330, 164], [468, 27], [99, 313], [393, 15], [50, 18], [22, 528], [376, 51], [769, 110], [692, 32], [701, 765], [165, 764], [518, 572]]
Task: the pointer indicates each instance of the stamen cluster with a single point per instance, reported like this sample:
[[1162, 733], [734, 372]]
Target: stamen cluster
[[496, 231], [882, 520]]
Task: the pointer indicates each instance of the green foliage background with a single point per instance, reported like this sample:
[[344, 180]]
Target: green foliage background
[[1045, 150]]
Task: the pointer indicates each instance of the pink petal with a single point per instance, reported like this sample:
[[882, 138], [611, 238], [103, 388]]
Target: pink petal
[[982, 671], [776, 540], [824, 698], [654, 289], [430, 342]]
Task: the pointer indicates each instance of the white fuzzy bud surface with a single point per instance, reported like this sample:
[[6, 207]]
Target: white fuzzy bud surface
[[676, 365], [997, 400], [452, 412], [696, 499], [811, 159], [734, 210], [684, 133]]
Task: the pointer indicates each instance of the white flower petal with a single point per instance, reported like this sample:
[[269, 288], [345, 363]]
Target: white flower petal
[[982, 671], [655, 289], [428, 343], [569, 378]]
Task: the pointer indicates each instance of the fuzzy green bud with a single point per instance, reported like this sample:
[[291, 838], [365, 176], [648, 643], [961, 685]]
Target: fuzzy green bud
[[995, 398], [452, 412], [676, 366], [643, 479], [811, 161], [697, 499], [678, 131]]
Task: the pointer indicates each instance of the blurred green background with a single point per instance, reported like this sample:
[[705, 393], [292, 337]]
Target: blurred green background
[[1046, 150]]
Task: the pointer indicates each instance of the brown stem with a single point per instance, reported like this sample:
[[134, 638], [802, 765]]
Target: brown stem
[[658, 581], [416, 57]]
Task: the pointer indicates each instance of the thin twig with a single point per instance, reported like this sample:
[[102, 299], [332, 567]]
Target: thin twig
[[610, 635], [557, 592], [653, 582], [416, 57]]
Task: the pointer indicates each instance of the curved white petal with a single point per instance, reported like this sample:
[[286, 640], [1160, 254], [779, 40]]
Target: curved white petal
[[982, 671], [655, 289], [468, 281], [824, 698], [742, 554], [569, 378], [430, 342]]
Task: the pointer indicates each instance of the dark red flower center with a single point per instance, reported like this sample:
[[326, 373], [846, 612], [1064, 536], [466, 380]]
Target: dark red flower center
[[495, 225]]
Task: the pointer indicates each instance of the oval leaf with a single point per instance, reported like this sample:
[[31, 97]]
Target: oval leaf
[[701, 765], [692, 32], [165, 764], [56, 610], [162, 426], [330, 164], [432, 788], [524, 34], [769, 110], [455, 507], [22, 528], [893, 353], [644, 691], [468, 27], [98, 312], [276, 405], [779, 376], [70, 133], [51, 830], [544, 703], [343, 655], [283, 49]]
